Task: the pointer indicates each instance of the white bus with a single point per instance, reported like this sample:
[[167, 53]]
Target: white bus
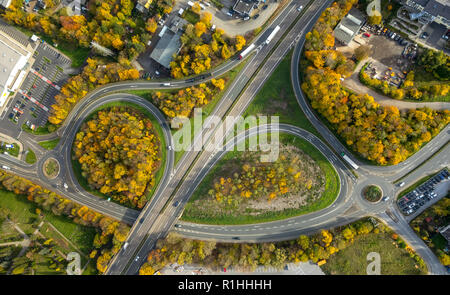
[[349, 161]]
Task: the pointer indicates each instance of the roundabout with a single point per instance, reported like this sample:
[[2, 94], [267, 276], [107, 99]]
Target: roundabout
[[372, 193], [51, 168]]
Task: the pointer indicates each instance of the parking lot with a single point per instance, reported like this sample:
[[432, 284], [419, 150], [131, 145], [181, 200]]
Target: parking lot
[[33, 100], [414, 202], [392, 56]]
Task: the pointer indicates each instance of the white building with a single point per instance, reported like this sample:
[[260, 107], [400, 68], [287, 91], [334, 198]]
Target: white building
[[15, 61], [5, 3]]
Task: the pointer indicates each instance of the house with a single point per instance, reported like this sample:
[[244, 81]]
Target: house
[[349, 26], [169, 42], [243, 7]]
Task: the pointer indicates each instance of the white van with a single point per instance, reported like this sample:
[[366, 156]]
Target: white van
[[5, 167], [180, 12]]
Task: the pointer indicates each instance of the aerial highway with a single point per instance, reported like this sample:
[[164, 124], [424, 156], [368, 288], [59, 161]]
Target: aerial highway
[[233, 103]]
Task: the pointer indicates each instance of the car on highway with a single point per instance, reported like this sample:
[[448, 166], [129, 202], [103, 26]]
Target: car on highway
[[385, 199], [137, 258], [165, 84], [236, 238], [6, 167], [176, 203], [125, 245], [141, 220], [300, 8], [265, 7], [177, 225]]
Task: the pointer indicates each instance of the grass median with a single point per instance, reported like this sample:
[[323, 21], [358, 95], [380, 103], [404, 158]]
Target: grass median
[[196, 214]]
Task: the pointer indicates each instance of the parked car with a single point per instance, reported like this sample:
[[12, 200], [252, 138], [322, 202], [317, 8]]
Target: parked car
[[255, 16]]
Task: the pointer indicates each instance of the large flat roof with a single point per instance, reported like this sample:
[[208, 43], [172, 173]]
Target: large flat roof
[[349, 26], [8, 60], [243, 7], [167, 46]]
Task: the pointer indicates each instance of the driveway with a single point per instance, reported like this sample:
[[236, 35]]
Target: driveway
[[354, 84]]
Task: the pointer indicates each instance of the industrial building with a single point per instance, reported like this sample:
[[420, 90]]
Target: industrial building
[[349, 26], [16, 57], [428, 11], [169, 42]]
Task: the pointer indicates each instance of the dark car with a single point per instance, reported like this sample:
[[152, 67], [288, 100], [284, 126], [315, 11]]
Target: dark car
[[141, 220], [255, 16], [177, 225], [236, 238], [265, 6], [176, 203], [11, 115]]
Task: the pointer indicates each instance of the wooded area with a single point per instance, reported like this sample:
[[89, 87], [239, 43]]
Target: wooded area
[[380, 134], [119, 153]]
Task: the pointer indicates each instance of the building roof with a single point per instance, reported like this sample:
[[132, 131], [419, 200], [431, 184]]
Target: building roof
[[434, 7], [8, 60], [167, 46], [349, 26], [445, 232], [243, 7], [438, 8], [421, 2], [170, 43]]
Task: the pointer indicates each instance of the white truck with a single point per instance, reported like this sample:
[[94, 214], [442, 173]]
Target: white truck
[[246, 51], [274, 32], [349, 161]]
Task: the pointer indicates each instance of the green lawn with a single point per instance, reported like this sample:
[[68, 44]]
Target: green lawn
[[30, 157], [23, 212], [51, 167], [49, 144], [77, 54], [159, 174], [41, 130], [277, 98], [191, 16], [14, 151], [193, 214], [353, 259]]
